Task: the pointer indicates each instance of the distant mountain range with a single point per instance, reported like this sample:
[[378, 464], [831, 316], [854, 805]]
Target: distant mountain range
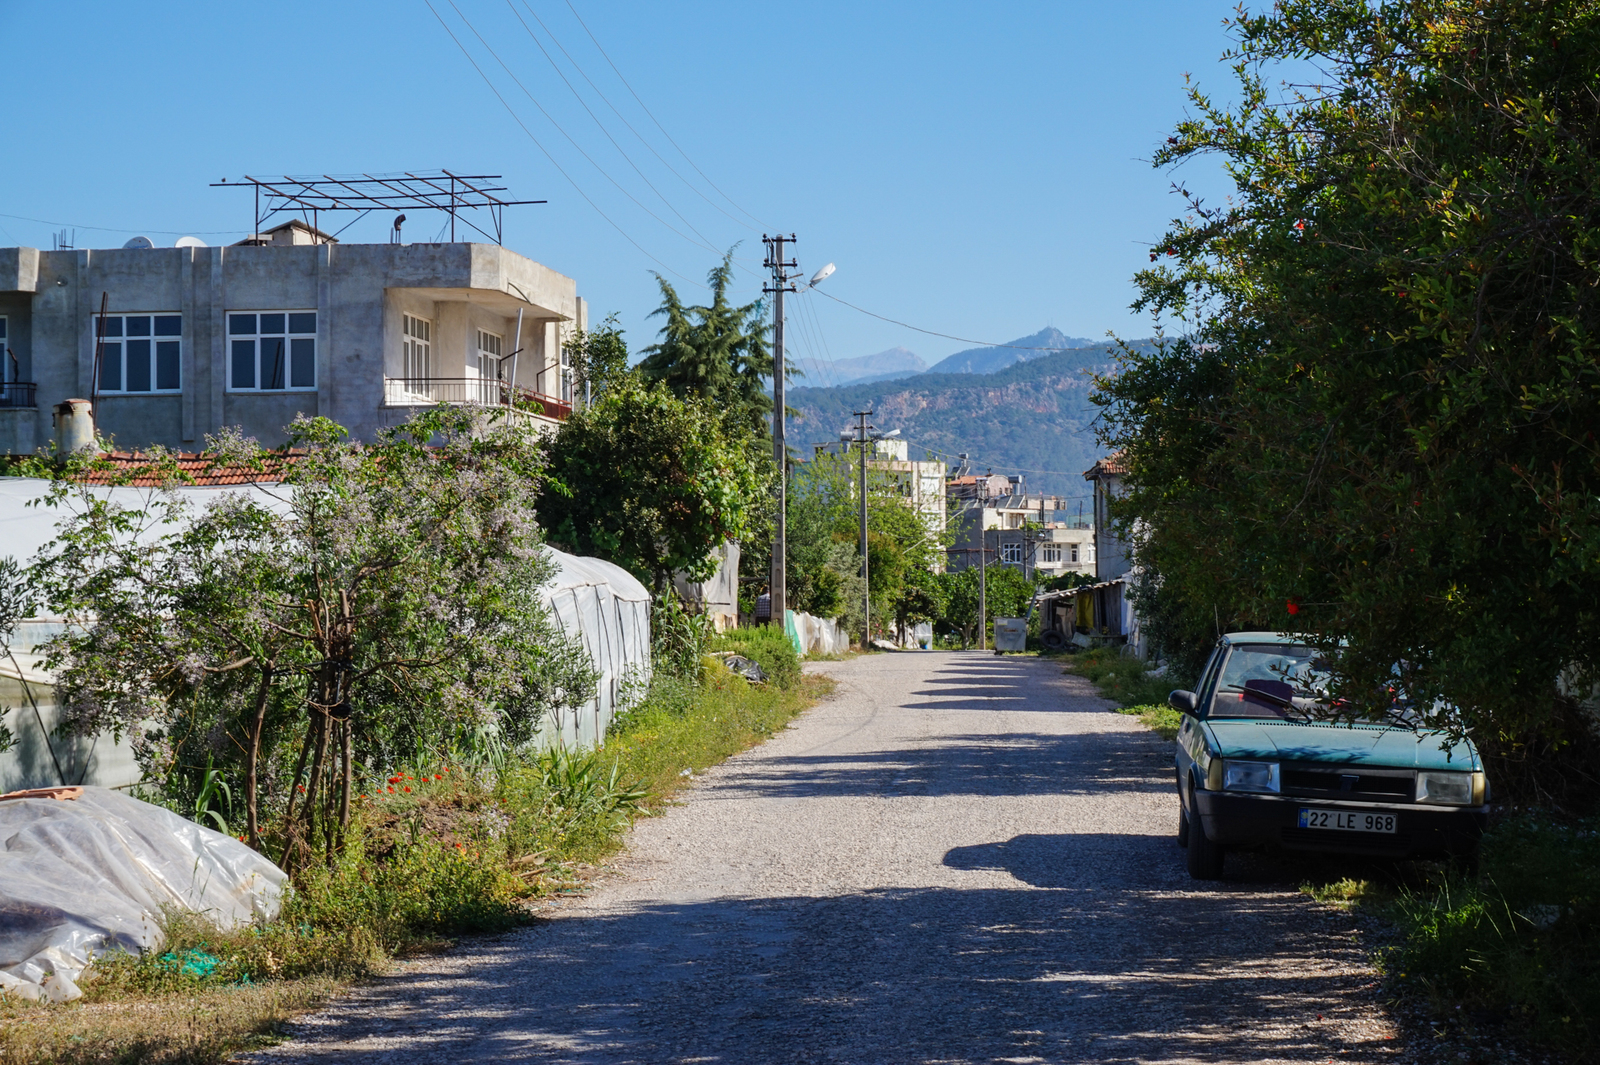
[[1031, 415], [896, 362], [988, 360]]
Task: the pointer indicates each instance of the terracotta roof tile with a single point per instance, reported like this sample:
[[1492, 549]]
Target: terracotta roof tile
[[194, 467], [1113, 464]]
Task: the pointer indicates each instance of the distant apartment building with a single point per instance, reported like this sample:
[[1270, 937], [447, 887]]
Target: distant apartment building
[[290, 321], [1036, 534], [920, 482]]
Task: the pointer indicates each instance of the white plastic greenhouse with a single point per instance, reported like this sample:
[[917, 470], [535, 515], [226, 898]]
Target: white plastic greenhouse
[[601, 603]]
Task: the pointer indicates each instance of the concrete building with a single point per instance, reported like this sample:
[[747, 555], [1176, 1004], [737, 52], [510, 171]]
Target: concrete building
[[920, 482], [286, 322], [1033, 533], [1111, 552]]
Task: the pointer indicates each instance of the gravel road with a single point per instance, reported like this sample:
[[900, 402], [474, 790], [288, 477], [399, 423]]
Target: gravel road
[[956, 858]]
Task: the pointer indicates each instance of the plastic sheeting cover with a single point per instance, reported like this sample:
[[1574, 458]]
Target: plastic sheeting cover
[[85, 876], [607, 608]]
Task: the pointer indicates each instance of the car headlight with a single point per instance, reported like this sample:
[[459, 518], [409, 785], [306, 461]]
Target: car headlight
[[1452, 789], [1250, 776]]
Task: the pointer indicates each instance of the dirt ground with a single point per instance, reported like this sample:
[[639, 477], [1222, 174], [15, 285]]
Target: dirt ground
[[957, 858]]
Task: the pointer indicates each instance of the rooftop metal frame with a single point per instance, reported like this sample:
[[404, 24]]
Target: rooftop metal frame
[[431, 190]]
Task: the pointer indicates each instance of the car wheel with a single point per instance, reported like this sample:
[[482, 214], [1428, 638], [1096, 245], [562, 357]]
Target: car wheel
[[1183, 825], [1205, 857]]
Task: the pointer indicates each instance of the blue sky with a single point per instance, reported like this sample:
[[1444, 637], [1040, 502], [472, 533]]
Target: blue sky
[[974, 169]]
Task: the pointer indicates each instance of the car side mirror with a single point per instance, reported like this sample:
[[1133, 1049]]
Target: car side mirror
[[1184, 702]]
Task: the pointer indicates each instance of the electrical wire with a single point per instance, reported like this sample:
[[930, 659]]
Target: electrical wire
[[585, 105], [935, 333], [623, 118], [111, 229], [657, 121], [538, 144], [570, 140]]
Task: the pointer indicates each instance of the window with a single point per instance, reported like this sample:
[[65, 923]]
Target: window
[[417, 350], [488, 355], [1011, 553], [1074, 552], [139, 352], [272, 351], [1050, 553], [566, 376]]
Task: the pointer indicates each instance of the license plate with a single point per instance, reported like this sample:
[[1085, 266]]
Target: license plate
[[1347, 820]]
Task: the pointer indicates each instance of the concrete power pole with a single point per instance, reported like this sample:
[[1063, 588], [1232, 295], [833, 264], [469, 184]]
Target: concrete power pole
[[983, 585], [779, 597], [864, 433]]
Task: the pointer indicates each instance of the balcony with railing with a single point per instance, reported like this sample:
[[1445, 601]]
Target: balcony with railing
[[459, 391], [17, 394]]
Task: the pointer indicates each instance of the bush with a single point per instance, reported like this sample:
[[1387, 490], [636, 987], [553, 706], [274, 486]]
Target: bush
[[1122, 678], [767, 645], [1521, 940]]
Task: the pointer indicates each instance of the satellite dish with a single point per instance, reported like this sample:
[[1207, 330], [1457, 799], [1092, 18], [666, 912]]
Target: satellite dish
[[188, 242], [140, 242], [820, 275]]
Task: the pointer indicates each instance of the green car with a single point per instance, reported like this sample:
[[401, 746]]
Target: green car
[[1254, 768]]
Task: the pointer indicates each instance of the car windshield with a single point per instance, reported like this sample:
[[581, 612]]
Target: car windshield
[[1269, 680]]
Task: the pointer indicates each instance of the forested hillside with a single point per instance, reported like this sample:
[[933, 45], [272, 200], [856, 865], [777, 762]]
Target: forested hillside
[[1032, 416]]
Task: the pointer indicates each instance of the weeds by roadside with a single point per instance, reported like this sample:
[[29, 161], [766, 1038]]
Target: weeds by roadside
[[1121, 678], [435, 852], [1163, 720]]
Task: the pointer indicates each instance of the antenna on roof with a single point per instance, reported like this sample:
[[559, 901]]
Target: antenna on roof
[[437, 190]]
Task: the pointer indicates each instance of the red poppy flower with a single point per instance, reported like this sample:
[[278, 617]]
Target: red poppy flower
[[1294, 607], [408, 787]]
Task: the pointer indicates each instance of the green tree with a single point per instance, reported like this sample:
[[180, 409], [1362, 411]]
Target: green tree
[[1377, 426], [379, 604], [824, 543], [1007, 595], [649, 481], [599, 358], [717, 353]]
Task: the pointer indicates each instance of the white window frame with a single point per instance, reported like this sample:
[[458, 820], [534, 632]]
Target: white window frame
[[115, 346], [1011, 553], [416, 347], [491, 349], [293, 341], [1050, 553]]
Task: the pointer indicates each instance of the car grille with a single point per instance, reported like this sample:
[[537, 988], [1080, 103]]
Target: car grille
[[1358, 783], [1326, 840]]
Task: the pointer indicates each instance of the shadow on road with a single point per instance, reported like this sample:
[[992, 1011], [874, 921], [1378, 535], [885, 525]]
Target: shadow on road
[[1068, 974]]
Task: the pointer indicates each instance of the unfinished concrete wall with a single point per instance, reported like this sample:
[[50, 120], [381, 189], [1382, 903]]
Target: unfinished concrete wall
[[358, 292]]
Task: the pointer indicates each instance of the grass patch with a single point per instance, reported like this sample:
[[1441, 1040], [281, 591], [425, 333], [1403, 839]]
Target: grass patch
[[196, 1026], [1520, 942], [432, 854], [1160, 719], [1121, 678]]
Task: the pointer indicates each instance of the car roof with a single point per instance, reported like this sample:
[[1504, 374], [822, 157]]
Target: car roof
[[1266, 637]]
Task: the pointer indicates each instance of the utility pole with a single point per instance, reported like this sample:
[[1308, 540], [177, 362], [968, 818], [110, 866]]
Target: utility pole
[[983, 585], [862, 429], [779, 596]]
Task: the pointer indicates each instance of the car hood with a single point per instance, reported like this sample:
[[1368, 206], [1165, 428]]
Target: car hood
[[1374, 745]]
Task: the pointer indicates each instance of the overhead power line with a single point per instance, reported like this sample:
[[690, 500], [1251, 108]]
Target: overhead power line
[[113, 229], [935, 333], [570, 139], [538, 144], [657, 121], [705, 241], [624, 120]]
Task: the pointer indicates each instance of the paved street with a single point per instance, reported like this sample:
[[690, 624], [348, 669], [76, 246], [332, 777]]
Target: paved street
[[956, 858]]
